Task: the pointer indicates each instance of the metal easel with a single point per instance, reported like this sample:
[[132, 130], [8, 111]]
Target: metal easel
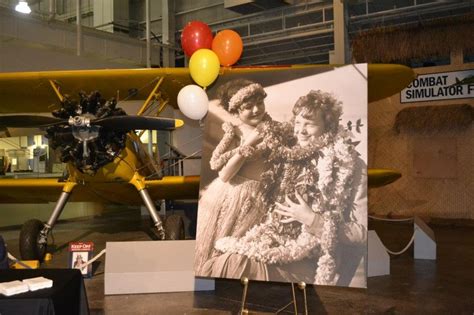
[[301, 285]]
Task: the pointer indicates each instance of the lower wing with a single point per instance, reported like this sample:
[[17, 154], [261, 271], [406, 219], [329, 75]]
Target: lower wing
[[43, 190]]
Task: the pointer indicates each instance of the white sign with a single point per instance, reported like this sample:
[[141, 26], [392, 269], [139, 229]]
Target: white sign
[[439, 86]]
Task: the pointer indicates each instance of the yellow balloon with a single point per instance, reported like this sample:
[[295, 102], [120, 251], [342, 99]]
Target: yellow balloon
[[204, 67]]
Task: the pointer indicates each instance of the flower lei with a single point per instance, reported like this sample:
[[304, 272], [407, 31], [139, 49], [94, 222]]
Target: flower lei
[[271, 133], [331, 163], [220, 155], [334, 183], [266, 243]]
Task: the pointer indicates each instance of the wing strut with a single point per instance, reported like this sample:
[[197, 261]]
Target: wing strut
[[56, 89], [153, 95]]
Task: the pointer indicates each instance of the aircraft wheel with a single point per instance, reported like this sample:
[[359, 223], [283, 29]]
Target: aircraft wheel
[[29, 236], [174, 227]]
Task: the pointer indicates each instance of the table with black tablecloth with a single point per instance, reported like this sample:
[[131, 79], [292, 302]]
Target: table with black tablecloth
[[67, 296]]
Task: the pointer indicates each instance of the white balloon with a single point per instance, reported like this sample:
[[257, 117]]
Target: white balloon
[[193, 101]]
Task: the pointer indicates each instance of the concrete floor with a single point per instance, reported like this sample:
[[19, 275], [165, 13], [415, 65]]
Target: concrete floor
[[445, 286]]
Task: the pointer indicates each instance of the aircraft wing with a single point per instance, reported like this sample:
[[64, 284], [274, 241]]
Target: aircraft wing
[[379, 177], [32, 91], [29, 190], [174, 187], [43, 190]]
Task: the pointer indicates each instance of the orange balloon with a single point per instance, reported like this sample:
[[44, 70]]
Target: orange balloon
[[228, 46]]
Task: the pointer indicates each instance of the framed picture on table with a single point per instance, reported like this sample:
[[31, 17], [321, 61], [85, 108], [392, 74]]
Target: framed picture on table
[[79, 254]]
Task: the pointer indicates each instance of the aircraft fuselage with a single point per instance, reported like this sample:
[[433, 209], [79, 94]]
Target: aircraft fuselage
[[123, 169]]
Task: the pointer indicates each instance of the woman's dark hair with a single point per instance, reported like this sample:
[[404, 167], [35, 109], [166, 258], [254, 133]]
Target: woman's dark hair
[[229, 89], [317, 101]]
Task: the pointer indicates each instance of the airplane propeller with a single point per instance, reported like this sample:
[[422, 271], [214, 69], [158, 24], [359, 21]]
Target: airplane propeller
[[116, 123], [28, 121], [127, 123], [90, 131]]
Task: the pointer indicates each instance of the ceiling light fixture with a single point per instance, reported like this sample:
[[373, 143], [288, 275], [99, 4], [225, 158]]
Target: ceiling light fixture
[[23, 7]]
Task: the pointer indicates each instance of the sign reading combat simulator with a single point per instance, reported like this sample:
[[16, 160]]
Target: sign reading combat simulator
[[439, 86]]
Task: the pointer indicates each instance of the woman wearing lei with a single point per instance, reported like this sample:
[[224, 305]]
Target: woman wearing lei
[[233, 202], [299, 239]]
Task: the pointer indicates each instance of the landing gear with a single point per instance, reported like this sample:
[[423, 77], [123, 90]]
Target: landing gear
[[33, 240], [174, 227], [34, 233], [153, 213]]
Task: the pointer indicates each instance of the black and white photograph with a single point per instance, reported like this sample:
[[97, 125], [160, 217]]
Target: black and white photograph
[[283, 193]]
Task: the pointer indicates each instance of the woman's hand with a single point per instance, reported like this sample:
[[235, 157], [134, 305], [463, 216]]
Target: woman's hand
[[300, 211], [252, 138]]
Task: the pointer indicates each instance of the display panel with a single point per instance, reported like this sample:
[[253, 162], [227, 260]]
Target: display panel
[[284, 179]]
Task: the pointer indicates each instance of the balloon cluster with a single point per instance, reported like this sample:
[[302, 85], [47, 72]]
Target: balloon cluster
[[207, 54]]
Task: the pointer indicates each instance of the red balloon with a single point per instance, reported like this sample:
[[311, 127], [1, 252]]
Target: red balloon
[[196, 35], [228, 47]]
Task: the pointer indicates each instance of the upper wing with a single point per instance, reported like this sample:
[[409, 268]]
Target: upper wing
[[386, 80], [42, 190], [32, 91]]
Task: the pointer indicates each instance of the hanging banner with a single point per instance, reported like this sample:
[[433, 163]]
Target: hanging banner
[[439, 86]]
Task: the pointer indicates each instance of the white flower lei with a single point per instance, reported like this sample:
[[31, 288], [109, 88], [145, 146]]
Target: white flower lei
[[220, 155], [271, 137], [266, 242]]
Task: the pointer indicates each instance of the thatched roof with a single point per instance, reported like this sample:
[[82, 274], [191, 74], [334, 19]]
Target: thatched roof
[[429, 119], [402, 43]]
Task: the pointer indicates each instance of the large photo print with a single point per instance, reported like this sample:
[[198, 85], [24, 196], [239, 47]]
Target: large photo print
[[283, 193]]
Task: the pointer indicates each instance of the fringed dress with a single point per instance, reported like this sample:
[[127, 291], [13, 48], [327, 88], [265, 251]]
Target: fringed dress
[[229, 208]]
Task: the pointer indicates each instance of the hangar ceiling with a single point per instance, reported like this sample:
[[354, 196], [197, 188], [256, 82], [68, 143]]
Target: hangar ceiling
[[303, 33], [274, 32]]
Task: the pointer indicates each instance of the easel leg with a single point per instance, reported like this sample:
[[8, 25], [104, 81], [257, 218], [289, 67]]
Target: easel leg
[[295, 306], [245, 282], [302, 286]]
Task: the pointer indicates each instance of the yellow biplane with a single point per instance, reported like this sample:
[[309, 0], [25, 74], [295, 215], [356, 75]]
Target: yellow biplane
[[104, 155]]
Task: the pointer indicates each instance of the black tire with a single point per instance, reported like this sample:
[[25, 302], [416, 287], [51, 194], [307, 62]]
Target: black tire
[[29, 235], [174, 227]]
